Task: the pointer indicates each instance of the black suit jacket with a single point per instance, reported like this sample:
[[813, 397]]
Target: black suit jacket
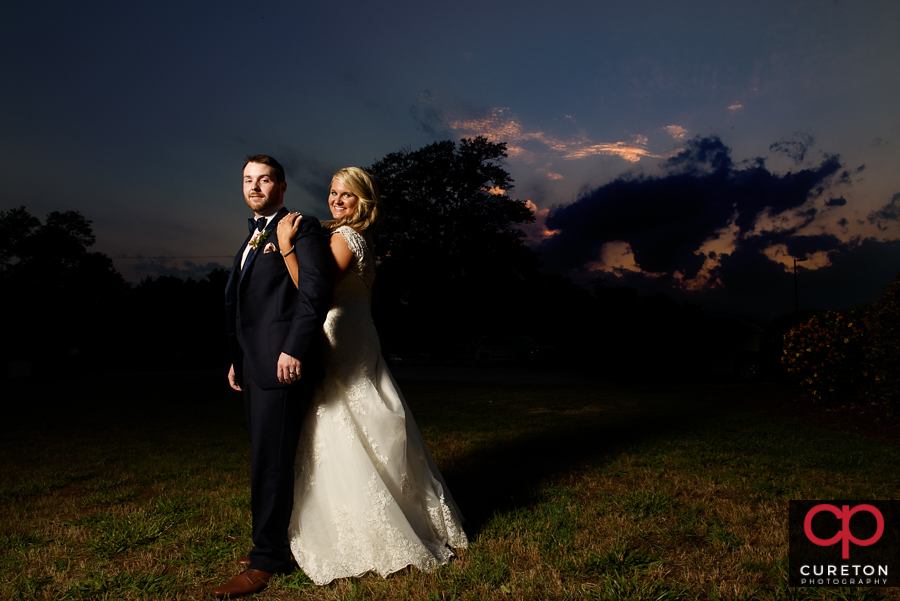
[[267, 315]]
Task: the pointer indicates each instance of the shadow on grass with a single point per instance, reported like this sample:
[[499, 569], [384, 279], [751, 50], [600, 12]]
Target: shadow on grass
[[537, 434]]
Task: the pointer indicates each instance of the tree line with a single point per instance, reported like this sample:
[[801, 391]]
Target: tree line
[[66, 309]]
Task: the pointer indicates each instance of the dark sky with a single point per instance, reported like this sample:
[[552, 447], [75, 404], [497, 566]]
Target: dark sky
[[139, 115]]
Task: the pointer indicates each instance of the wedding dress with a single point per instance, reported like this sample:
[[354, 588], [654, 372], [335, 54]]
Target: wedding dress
[[367, 495]]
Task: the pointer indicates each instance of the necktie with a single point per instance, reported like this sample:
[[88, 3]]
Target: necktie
[[257, 224]]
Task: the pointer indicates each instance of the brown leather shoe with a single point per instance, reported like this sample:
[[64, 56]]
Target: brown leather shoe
[[245, 561], [247, 583]]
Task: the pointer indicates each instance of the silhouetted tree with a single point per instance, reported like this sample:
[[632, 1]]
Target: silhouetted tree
[[16, 227], [61, 302], [449, 200], [452, 260]]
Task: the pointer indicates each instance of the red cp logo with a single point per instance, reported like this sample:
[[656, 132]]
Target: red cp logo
[[844, 535]]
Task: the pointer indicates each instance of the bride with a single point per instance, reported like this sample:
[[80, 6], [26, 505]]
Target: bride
[[367, 494]]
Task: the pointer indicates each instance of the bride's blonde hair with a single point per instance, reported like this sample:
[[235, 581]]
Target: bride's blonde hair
[[367, 210]]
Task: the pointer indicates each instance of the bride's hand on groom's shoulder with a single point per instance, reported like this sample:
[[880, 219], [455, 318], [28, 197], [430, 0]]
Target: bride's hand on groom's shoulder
[[288, 226]]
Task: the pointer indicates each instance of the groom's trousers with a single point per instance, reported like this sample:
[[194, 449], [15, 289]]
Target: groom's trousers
[[274, 419]]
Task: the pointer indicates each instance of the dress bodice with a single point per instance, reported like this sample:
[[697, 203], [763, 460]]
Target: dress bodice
[[352, 348], [360, 276]]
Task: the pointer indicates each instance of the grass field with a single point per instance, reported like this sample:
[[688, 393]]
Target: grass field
[[136, 487]]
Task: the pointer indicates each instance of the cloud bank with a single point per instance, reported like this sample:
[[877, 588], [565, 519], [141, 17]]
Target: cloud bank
[[710, 226]]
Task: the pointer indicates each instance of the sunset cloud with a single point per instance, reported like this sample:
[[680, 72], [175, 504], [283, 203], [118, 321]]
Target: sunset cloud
[[537, 231], [617, 257], [676, 131], [629, 151], [502, 126], [780, 253], [691, 224]]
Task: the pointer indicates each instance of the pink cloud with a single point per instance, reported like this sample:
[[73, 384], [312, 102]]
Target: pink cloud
[[502, 126]]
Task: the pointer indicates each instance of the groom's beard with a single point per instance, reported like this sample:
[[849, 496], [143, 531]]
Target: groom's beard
[[262, 204]]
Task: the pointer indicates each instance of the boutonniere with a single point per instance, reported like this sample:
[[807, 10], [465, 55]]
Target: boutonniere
[[257, 238]]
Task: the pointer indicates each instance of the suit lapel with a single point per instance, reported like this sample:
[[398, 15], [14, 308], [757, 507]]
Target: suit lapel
[[270, 229], [234, 277]]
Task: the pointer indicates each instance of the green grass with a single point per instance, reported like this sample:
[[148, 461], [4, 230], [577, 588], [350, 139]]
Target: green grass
[[137, 488]]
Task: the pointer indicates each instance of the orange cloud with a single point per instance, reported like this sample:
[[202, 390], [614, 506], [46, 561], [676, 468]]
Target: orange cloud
[[676, 131], [779, 254], [617, 257], [537, 230], [504, 127], [629, 152]]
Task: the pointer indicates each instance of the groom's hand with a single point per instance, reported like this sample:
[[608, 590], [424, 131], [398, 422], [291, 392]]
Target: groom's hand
[[232, 380], [288, 369]]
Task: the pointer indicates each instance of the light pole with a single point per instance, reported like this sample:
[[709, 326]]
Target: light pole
[[796, 298]]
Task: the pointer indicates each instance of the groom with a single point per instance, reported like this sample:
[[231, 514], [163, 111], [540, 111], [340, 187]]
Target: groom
[[274, 329]]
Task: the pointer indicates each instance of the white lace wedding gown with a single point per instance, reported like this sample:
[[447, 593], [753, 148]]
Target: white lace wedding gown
[[367, 495]]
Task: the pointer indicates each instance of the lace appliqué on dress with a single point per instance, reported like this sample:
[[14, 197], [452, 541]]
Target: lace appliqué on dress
[[342, 417], [365, 265]]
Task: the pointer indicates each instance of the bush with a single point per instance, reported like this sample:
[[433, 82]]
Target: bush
[[771, 346], [883, 323], [829, 356]]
